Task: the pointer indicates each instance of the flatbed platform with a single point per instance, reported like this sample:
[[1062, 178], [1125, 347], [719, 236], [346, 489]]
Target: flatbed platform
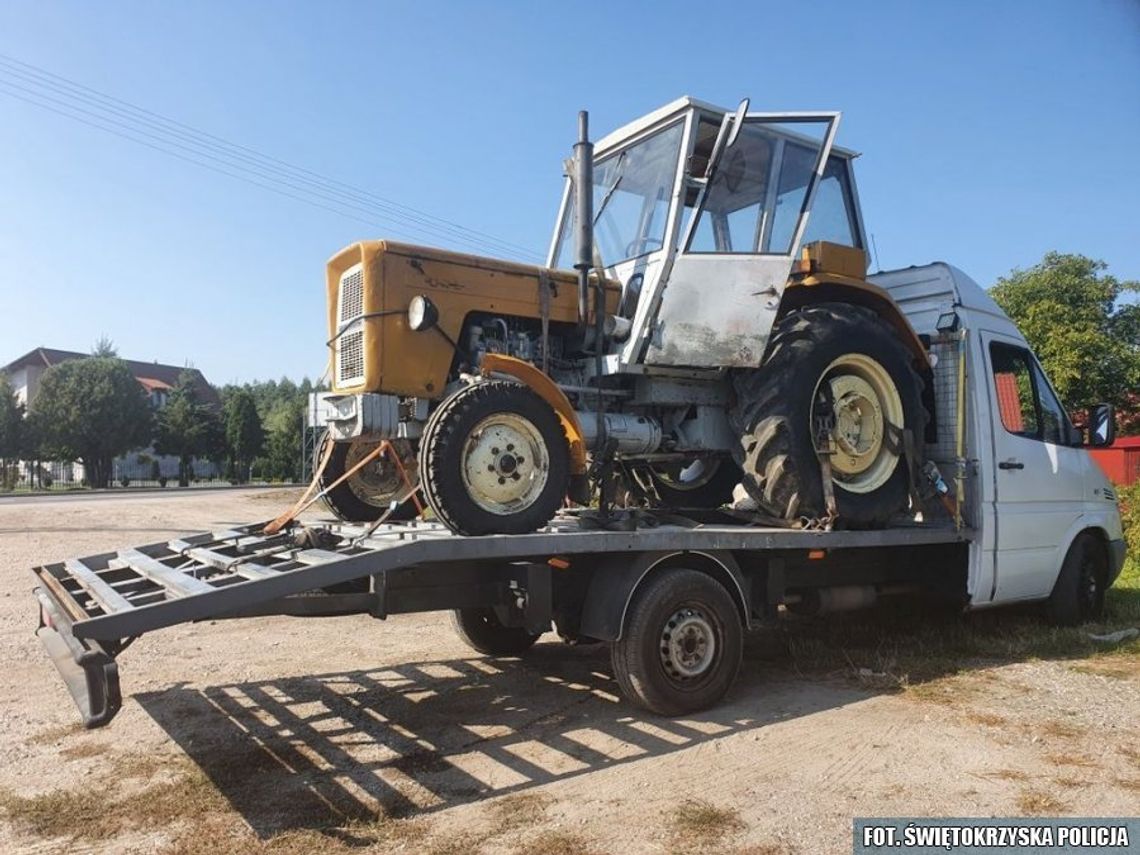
[[92, 608]]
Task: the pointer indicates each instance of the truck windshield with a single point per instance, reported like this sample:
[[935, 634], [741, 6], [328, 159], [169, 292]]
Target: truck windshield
[[632, 189]]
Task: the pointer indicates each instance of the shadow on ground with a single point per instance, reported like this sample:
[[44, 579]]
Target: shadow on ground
[[407, 739], [414, 738]]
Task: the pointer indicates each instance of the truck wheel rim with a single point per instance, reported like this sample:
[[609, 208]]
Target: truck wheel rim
[[375, 483], [505, 464], [688, 644], [865, 401]]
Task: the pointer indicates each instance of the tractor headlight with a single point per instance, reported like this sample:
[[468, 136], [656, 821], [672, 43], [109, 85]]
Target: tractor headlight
[[422, 313]]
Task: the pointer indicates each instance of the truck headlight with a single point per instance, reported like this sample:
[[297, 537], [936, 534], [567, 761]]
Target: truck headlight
[[422, 313]]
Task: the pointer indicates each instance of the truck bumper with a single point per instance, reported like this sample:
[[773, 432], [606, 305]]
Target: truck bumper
[[1116, 552]]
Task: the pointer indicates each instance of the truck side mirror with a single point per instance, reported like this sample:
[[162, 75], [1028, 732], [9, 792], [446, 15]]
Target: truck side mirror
[[1102, 426]]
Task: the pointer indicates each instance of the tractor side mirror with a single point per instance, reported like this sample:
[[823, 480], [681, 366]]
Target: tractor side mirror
[[737, 124], [1102, 426]]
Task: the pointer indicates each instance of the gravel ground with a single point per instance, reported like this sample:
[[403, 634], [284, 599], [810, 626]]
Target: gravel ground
[[279, 734]]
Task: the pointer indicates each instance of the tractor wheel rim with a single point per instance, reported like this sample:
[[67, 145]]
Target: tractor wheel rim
[[688, 644], [506, 464], [865, 401], [376, 482], [687, 476]]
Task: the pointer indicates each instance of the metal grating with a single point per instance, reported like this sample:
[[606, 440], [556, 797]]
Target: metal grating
[[351, 294], [350, 357], [946, 401]]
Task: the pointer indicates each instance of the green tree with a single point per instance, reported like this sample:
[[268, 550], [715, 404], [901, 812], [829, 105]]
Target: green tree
[[244, 433], [104, 347], [284, 433], [11, 434], [1088, 341], [91, 410], [186, 427]]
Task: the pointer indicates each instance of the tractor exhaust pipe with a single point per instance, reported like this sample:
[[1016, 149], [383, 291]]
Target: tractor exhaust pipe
[[584, 210]]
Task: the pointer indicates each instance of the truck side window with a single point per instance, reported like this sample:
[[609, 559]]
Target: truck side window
[[1026, 402], [1013, 382], [1054, 421]]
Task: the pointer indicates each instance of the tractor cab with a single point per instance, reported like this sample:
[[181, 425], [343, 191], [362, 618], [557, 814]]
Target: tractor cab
[[715, 205]]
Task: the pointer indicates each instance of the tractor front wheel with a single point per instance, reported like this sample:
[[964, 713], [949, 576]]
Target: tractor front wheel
[[370, 491], [494, 459]]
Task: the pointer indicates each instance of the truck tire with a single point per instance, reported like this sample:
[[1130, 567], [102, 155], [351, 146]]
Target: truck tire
[[482, 631], [368, 493], [1078, 594], [870, 377], [682, 644], [494, 459], [701, 483]]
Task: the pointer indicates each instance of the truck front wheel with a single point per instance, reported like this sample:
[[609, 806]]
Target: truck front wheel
[[1078, 594], [682, 644], [482, 631]]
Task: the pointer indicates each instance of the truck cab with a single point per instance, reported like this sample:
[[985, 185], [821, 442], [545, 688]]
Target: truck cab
[[1030, 488]]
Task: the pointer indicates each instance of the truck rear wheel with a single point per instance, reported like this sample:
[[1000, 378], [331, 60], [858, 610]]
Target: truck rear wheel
[[682, 644], [847, 359], [370, 491], [494, 460], [482, 631]]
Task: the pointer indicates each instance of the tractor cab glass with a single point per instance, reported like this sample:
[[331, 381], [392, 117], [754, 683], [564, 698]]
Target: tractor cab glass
[[758, 189], [632, 191]]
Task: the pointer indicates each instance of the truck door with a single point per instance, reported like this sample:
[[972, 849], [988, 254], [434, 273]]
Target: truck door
[[1038, 476]]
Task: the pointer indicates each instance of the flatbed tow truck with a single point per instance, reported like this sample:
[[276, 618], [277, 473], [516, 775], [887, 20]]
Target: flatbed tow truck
[[1029, 518], [1023, 514]]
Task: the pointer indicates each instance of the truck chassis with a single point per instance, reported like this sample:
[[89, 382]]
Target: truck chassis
[[582, 577]]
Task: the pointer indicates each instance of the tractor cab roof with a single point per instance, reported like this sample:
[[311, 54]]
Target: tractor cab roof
[[675, 109]]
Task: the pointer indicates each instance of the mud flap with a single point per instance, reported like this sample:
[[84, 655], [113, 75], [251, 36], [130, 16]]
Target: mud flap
[[89, 672]]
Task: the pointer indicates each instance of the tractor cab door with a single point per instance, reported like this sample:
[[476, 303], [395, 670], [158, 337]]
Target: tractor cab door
[[716, 306]]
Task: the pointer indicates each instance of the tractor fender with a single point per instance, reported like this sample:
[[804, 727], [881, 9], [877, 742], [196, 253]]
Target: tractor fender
[[618, 577], [547, 389], [836, 288]]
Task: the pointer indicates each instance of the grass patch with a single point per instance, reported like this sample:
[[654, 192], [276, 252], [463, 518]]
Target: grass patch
[[52, 735], [904, 643], [698, 821], [1039, 803], [83, 750], [1079, 760], [557, 843], [518, 811]]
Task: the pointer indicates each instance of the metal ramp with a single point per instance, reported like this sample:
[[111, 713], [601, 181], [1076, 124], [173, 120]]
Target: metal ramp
[[92, 608]]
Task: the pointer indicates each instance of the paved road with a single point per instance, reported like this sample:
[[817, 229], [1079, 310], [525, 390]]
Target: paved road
[[28, 499]]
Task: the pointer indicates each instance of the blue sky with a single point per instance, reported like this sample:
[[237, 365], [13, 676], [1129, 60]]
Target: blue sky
[[991, 133]]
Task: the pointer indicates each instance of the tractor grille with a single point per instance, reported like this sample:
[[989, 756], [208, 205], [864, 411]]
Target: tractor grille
[[350, 358], [351, 294], [350, 345]]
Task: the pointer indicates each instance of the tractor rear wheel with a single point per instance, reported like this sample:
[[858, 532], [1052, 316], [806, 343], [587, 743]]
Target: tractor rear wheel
[[370, 491], [494, 459], [847, 360]]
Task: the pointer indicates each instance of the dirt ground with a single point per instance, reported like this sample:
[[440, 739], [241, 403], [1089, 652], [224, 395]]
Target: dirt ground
[[290, 735]]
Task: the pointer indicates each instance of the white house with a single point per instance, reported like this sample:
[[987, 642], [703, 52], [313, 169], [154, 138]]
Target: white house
[[156, 379]]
